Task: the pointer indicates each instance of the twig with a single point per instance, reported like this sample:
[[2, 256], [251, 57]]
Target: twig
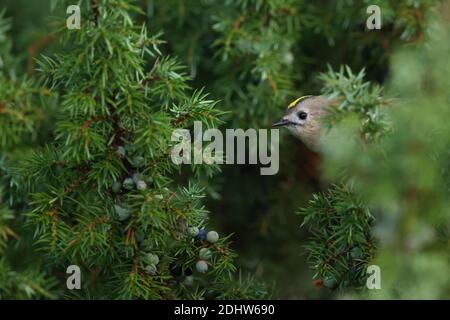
[[35, 48], [94, 5]]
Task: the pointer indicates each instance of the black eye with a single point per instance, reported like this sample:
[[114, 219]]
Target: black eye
[[302, 115]]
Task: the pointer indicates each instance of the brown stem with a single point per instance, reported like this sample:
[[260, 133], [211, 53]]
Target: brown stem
[[96, 11], [35, 48], [88, 122]]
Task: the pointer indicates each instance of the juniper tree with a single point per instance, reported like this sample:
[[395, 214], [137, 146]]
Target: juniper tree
[[232, 47], [103, 193], [258, 55], [22, 118], [342, 244], [411, 191], [400, 178], [237, 44]]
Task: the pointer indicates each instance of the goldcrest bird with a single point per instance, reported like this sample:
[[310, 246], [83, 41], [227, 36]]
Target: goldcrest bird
[[303, 119]]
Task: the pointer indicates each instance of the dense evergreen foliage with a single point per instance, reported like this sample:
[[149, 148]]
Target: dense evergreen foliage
[[86, 178]]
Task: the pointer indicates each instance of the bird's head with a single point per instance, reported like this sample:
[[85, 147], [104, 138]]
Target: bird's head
[[303, 118]]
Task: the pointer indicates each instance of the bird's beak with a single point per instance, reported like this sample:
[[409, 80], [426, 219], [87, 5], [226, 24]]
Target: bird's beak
[[280, 123]]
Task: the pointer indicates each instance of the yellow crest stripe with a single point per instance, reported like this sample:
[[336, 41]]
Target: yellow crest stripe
[[294, 103]]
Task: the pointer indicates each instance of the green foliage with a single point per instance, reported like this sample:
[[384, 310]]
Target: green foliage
[[403, 177], [400, 172], [257, 56], [352, 95], [27, 284], [249, 48], [22, 119], [5, 217], [341, 245], [123, 90], [19, 119], [113, 133]]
